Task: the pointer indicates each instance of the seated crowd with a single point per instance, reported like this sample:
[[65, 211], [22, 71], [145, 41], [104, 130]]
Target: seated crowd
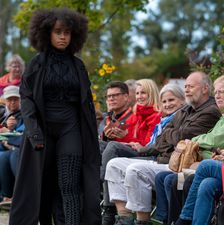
[[131, 169], [137, 136]]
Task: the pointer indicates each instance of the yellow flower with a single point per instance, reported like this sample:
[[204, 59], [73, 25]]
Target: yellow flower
[[113, 68], [101, 72], [94, 97], [109, 70], [105, 66], [95, 87]]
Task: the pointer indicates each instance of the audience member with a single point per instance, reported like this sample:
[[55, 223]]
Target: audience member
[[166, 182], [15, 67], [10, 117], [131, 181], [131, 87], [207, 184], [139, 129], [11, 121], [117, 95]]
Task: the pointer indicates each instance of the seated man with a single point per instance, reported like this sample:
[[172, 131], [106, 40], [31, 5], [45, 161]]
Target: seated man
[[10, 118], [11, 121], [131, 181], [117, 100]]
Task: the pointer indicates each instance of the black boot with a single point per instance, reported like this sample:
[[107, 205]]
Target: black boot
[[108, 215]]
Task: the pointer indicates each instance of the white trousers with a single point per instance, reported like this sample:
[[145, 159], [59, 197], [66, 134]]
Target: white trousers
[[132, 180]]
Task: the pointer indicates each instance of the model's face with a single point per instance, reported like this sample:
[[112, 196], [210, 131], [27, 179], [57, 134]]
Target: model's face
[[170, 103], [219, 96], [142, 97], [60, 36]]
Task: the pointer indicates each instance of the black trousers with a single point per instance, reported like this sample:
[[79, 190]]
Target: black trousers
[[178, 198], [62, 175]]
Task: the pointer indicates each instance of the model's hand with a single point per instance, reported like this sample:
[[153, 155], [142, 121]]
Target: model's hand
[[39, 146]]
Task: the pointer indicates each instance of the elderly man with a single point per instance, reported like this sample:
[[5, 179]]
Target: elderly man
[[10, 121], [131, 180], [10, 115]]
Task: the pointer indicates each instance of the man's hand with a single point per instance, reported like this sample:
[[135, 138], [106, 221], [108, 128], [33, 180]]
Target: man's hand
[[11, 122], [108, 132], [4, 130], [119, 133]]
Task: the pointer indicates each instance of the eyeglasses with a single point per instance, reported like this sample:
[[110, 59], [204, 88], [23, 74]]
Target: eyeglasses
[[113, 95], [221, 92]]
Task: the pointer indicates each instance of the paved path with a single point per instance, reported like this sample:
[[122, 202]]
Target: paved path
[[4, 218]]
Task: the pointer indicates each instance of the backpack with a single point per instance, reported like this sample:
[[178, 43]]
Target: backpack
[[184, 155]]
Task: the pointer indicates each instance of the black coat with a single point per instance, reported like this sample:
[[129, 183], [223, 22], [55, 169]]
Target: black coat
[[27, 193]]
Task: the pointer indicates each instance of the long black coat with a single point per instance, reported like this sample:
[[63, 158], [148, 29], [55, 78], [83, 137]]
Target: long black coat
[[26, 206]]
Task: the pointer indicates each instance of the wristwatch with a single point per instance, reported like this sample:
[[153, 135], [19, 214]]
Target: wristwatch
[[13, 148]]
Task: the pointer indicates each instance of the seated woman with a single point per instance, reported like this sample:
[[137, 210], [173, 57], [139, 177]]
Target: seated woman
[[172, 99], [140, 125], [166, 181], [15, 67]]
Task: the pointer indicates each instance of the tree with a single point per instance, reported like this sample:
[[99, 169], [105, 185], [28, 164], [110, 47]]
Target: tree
[[192, 25]]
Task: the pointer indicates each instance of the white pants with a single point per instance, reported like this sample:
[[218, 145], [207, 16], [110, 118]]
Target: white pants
[[132, 180]]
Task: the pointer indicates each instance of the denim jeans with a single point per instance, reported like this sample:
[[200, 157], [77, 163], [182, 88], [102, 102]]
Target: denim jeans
[[8, 163], [163, 185], [206, 187]]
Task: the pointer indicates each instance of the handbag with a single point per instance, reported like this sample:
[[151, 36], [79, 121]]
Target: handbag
[[218, 218], [184, 155]]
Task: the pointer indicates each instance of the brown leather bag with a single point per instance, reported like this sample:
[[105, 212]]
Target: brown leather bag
[[184, 155]]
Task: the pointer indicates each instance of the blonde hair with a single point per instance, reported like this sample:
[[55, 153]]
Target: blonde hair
[[150, 87]]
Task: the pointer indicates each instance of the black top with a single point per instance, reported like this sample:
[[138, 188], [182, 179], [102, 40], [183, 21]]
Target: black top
[[61, 88]]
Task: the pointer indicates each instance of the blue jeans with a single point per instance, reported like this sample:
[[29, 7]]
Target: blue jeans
[[163, 184], [206, 187], [8, 163]]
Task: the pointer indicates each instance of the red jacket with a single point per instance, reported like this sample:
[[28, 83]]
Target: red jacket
[[141, 125], [4, 82]]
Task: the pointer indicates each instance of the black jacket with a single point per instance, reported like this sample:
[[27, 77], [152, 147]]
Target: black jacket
[[27, 194]]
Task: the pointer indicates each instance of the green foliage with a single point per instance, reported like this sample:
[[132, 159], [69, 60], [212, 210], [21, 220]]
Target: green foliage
[[91, 8], [160, 64], [215, 62], [99, 79]]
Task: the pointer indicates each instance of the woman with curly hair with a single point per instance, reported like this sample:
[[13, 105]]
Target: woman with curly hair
[[59, 160]]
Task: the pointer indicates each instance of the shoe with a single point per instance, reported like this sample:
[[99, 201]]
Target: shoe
[[108, 215], [6, 201], [121, 220], [139, 222]]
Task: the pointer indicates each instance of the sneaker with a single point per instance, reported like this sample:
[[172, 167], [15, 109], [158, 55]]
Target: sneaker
[[6, 201], [121, 220], [138, 222], [108, 215]]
